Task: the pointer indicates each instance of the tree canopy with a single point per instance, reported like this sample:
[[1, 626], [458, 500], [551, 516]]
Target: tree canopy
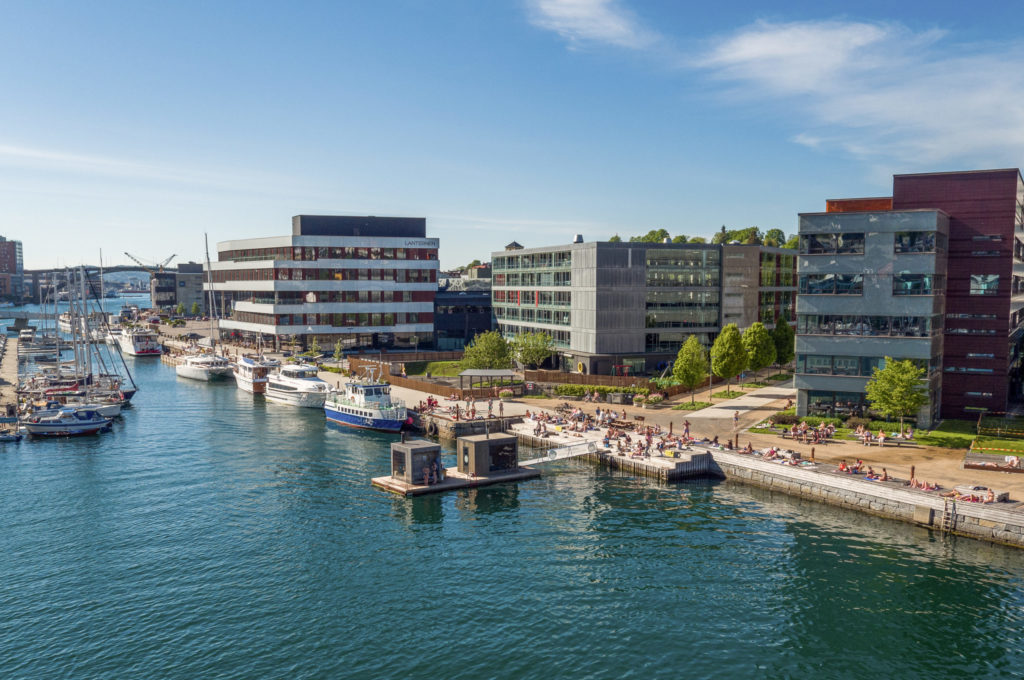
[[728, 356], [784, 339], [487, 350], [196, 309], [615, 239], [793, 243], [750, 235], [691, 365], [760, 346], [653, 236], [531, 349], [897, 390], [697, 239], [776, 236]]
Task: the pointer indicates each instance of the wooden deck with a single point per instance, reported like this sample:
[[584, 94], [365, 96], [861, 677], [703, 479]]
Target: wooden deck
[[453, 480]]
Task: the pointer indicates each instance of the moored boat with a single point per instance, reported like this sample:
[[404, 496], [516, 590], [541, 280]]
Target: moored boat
[[65, 422], [139, 342], [203, 367], [251, 373], [297, 385], [366, 405]]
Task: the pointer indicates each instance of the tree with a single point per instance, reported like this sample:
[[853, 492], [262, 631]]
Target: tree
[[474, 263], [691, 365], [697, 239], [776, 235], [728, 357], [784, 339], [750, 235], [196, 309], [487, 350], [314, 348], [180, 309], [531, 349], [615, 239], [898, 389], [653, 236], [338, 353], [793, 243], [679, 239], [760, 347]]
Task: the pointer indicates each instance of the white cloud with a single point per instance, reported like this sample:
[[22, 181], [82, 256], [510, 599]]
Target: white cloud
[[591, 21], [881, 92]]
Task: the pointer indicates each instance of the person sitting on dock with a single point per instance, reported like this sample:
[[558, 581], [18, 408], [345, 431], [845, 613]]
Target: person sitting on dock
[[885, 476], [843, 467], [426, 476], [990, 497]]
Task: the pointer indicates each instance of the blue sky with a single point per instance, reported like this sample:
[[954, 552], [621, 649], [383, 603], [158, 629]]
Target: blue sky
[[139, 126]]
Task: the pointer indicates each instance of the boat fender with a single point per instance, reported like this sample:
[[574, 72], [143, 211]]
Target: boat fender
[[432, 428]]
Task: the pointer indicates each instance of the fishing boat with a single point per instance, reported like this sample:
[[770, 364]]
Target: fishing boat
[[68, 421], [367, 405], [251, 373], [203, 367], [297, 385], [139, 342]]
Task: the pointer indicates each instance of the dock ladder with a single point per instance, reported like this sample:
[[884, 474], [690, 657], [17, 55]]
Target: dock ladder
[[948, 523]]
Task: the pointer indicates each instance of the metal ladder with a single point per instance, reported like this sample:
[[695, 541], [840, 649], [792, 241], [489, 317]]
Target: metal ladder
[[948, 523]]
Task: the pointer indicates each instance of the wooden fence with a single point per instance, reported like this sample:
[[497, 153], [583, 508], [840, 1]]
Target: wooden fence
[[365, 367]]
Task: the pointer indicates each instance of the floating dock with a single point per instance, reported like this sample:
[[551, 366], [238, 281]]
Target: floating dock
[[453, 480]]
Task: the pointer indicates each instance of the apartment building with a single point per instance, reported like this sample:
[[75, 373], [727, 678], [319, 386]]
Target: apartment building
[[369, 282], [626, 308], [934, 273]]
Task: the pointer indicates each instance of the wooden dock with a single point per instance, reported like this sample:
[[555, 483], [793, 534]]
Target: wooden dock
[[453, 480], [9, 372]]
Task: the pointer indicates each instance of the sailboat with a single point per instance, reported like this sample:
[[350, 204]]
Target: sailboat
[[200, 365]]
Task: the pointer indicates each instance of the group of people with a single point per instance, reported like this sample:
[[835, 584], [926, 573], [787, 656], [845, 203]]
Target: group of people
[[989, 497], [433, 473], [469, 412], [808, 434]]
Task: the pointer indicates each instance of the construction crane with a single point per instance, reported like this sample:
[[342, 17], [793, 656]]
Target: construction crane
[[151, 268]]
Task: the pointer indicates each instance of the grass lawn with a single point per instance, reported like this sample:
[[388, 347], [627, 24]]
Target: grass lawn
[[728, 394], [695, 406], [779, 377], [754, 385], [435, 368]]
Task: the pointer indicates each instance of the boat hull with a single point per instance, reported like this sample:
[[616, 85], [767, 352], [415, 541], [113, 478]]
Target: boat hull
[[302, 399], [363, 422], [64, 429], [200, 372]]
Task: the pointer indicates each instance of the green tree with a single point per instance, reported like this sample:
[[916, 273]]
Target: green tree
[[338, 353], [784, 339], [897, 390], [653, 236], [531, 349], [680, 239], [180, 309], [691, 365], [728, 357], [487, 350], [314, 348], [615, 239], [750, 235], [776, 235], [196, 309], [793, 243], [697, 239], [760, 347]]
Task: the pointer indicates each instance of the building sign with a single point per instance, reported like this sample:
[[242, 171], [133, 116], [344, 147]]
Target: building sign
[[420, 243]]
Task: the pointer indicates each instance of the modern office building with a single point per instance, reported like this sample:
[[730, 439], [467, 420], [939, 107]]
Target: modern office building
[[934, 273], [626, 308], [12, 269], [462, 309], [183, 285], [369, 282]]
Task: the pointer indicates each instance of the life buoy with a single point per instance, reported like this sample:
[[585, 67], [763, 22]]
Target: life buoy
[[432, 428], [580, 367]]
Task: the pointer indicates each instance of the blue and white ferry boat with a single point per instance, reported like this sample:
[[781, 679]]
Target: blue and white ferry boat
[[367, 405]]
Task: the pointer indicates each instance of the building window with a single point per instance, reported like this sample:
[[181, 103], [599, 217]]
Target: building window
[[917, 242], [832, 284], [980, 355], [832, 244], [987, 395], [915, 284], [984, 284]]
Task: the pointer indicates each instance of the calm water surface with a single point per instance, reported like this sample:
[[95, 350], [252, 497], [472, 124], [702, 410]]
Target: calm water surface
[[213, 537]]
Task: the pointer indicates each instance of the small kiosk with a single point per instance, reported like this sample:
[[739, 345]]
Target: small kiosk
[[482, 455], [411, 458]]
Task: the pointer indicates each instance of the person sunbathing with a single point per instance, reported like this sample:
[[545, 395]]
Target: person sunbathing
[[843, 467], [990, 497]]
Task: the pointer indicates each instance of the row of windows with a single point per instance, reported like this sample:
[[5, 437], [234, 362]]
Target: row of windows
[[853, 243], [560, 259], [337, 320], [841, 324], [552, 278], [776, 305], [534, 297], [778, 269], [671, 342], [557, 317], [682, 309], [283, 274], [967, 369], [559, 338], [853, 284], [816, 364], [309, 253], [298, 298]]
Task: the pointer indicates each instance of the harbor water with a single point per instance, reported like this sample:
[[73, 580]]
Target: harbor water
[[214, 536]]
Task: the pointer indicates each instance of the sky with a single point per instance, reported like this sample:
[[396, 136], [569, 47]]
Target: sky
[[140, 127]]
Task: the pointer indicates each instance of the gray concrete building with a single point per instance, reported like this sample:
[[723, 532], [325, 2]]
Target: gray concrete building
[[182, 286], [625, 308], [872, 285]]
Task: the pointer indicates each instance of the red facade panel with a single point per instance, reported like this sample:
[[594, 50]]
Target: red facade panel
[[981, 207], [840, 205]]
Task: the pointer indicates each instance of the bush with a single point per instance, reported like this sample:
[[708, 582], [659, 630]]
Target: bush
[[656, 398], [639, 399], [506, 394], [692, 406], [664, 383], [782, 418], [854, 422], [581, 390]]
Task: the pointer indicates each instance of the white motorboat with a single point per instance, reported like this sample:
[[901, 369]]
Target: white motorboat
[[252, 372], [65, 422], [297, 385], [203, 367], [366, 405], [139, 342]]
